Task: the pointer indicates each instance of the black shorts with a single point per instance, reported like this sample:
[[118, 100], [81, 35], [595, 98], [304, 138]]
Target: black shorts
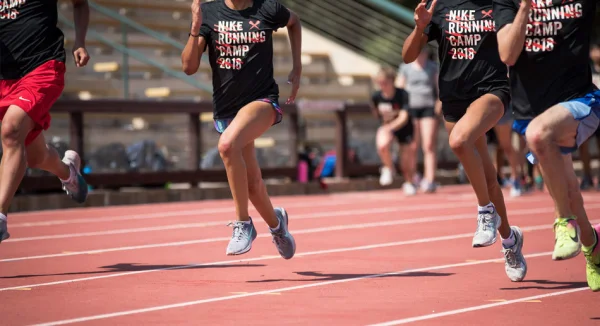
[[406, 134], [455, 110], [416, 114]]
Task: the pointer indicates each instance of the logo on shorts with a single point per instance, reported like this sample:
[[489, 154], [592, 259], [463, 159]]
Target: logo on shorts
[[23, 99]]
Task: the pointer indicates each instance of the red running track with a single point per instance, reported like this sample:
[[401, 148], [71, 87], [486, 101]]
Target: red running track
[[372, 258]]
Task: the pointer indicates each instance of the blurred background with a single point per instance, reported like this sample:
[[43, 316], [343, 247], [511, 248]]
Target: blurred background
[[139, 121]]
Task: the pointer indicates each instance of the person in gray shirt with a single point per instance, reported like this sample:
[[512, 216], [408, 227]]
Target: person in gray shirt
[[419, 79]]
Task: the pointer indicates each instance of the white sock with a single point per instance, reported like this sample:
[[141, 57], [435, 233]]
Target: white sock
[[247, 222], [507, 243], [276, 228], [487, 208], [3, 217]]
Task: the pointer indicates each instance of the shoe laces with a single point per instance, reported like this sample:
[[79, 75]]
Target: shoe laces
[[485, 221], [238, 230], [278, 237], [511, 257], [561, 230]]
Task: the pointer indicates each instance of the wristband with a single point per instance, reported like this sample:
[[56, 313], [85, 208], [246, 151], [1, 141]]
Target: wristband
[[192, 35]]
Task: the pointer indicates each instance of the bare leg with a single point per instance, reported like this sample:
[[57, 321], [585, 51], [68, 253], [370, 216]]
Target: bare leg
[[480, 117], [584, 154], [16, 125], [407, 159], [493, 188], [551, 130], [257, 191], [384, 141], [429, 145], [44, 157], [250, 123]]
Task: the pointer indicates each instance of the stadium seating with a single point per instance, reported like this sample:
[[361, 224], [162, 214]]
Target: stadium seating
[[171, 18]]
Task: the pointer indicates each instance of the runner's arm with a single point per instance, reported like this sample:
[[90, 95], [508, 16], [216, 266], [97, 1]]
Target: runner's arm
[[511, 36], [81, 18], [294, 28], [413, 45], [192, 53]]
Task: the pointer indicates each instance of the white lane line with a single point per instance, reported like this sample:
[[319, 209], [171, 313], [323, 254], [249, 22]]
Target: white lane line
[[481, 307], [204, 211], [310, 253], [355, 212], [278, 290], [264, 235]]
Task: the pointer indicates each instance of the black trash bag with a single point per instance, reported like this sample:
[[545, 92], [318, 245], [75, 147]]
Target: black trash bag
[[146, 156], [111, 158]]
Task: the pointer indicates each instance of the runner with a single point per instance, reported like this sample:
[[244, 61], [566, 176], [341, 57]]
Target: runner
[[239, 37], [32, 72], [389, 106], [556, 105], [474, 91], [587, 181], [419, 79]]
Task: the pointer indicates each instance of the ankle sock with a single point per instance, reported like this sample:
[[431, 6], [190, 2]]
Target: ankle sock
[[507, 243], [487, 208], [275, 229], [3, 217]]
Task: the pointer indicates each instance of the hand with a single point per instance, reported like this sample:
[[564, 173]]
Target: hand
[[294, 80], [80, 55], [196, 14], [423, 15]]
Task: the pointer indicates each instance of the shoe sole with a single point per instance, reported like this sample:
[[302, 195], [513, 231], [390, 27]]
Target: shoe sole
[[4, 237], [573, 255], [247, 249], [522, 236], [287, 224]]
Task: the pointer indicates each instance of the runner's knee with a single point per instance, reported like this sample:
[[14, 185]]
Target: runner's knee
[[458, 141], [12, 133], [538, 136], [227, 146]]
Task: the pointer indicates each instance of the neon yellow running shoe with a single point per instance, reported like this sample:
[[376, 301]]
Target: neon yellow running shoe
[[592, 257], [566, 238]]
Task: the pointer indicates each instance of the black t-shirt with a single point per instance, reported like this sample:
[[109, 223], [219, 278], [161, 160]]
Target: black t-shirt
[[470, 65], [29, 36], [554, 64], [240, 50], [389, 109]]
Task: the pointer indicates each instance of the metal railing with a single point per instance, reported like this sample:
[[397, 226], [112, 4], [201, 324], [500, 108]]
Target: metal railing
[[356, 25], [127, 24]]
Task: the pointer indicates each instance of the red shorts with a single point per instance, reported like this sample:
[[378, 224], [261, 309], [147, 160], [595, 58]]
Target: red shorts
[[35, 94]]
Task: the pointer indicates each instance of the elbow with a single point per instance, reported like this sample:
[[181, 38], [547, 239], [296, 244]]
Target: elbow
[[407, 59], [508, 59], [189, 69]]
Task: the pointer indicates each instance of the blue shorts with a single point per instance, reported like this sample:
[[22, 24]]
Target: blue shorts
[[222, 124], [584, 109]]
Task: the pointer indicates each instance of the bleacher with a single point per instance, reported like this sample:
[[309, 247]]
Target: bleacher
[[107, 73]]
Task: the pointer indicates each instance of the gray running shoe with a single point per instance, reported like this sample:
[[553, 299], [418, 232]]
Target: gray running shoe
[[515, 264], [283, 240], [4, 230], [77, 189], [487, 227], [241, 240]]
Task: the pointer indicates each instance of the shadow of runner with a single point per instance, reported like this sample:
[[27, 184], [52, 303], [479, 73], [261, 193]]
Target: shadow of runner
[[133, 267], [550, 285], [317, 276]]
